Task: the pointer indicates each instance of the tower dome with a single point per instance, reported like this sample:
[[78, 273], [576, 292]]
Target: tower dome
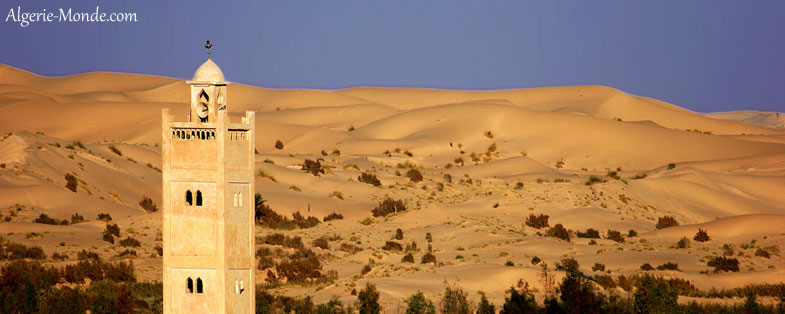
[[209, 72]]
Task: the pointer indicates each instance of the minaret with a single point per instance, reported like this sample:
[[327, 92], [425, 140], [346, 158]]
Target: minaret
[[208, 186]]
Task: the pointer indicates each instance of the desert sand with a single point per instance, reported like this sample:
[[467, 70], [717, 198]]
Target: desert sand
[[708, 171]]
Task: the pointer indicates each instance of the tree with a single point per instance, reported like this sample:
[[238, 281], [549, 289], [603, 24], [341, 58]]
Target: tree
[[418, 304], [368, 300], [519, 302], [654, 296], [578, 296], [485, 307], [455, 301]]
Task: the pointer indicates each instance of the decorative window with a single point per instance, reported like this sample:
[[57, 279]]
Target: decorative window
[[199, 288], [190, 286], [238, 287], [189, 198], [198, 198], [238, 199]]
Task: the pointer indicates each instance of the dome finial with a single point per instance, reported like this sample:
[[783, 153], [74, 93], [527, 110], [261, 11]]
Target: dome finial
[[208, 73]]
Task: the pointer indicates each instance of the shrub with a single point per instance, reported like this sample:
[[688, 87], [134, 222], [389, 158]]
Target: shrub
[[313, 167], [70, 182], [455, 301], [605, 281], [113, 229], [509, 263], [590, 233], [334, 306], [76, 218], [369, 178], [104, 217], [558, 231], [301, 266], [569, 263], [701, 236], [537, 221], [106, 236], [666, 222], [722, 263], [44, 219], [148, 204], [366, 269], [671, 166], [414, 175], [418, 304], [668, 266], [115, 150], [485, 307], [647, 267], [683, 243], [392, 246], [368, 300], [87, 255], [578, 296], [632, 233], [12, 251], [598, 267], [593, 180], [536, 260], [762, 253], [129, 241], [388, 206], [282, 240], [428, 237], [428, 258], [398, 234], [321, 243], [615, 236], [278, 145], [333, 216], [408, 258], [304, 223]]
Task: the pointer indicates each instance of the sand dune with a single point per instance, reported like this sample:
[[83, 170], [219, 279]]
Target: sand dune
[[586, 156]]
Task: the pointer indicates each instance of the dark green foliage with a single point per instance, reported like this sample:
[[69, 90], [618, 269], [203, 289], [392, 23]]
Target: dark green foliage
[[593, 180], [455, 301], [569, 263], [665, 222], [428, 237], [313, 167], [104, 217], [414, 175], [86, 255], [301, 266], [590, 233], [147, 204], [278, 144], [418, 304], [106, 236], [519, 302], [334, 306], [722, 263], [129, 241], [63, 300], [509, 263], [428, 258], [408, 258], [369, 178], [366, 269], [654, 296], [44, 219], [70, 182], [368, 300], [632, 233], [282, 240], [304, 223], [388, 206], [701, 236], [605, 281], [671, 166], [537, 221], [578, 296], [683, 243], [558, 231], [333, 216], [762, 253], [267, 217], [615, 236], [598, 267], [485, 307]]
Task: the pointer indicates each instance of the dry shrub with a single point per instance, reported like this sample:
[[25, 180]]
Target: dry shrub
[[392, 246], [70, 182], [722, 263], [558, 231], [408, 258], [701, 236], [388, 206], [668, 266], [333, 216], [666, 222], [414, 175], [590, 233], [428, 258], [615, 236], [369, 178], [313, 167], [148, 204], [537, 221]]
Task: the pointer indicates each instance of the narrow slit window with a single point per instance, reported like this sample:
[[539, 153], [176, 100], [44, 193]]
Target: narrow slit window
[[198, 198], [189, 198], [235, 199], [199, 285], [190, 285], [239, 199], [236, 287]]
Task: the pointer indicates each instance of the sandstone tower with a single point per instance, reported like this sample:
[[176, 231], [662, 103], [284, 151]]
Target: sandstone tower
[[208, 186]]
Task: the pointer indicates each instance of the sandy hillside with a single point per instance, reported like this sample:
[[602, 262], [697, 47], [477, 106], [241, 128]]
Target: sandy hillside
[[586, 156], [772, 120]]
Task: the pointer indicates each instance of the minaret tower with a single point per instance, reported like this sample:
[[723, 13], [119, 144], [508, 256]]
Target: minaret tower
[[208, 186]]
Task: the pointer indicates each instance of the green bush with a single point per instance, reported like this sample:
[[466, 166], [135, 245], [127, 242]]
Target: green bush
[[519, 302], [455, 301], [654, 296], [368, 300], [418, 304]]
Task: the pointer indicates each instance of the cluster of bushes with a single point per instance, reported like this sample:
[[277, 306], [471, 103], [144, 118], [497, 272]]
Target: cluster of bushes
[[388, 206], [701, 236], [71, 182], [12, 251], [722, 263], [537, 221], [666, 222], [313, 167], [266, 216], [147, 204], [590, 234], [44, 219], [369, 178], [111, 231], [558, 231], [29, 287], [282, 240]]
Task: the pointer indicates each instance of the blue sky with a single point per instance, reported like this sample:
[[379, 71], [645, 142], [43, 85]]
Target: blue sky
[[703, 55]]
